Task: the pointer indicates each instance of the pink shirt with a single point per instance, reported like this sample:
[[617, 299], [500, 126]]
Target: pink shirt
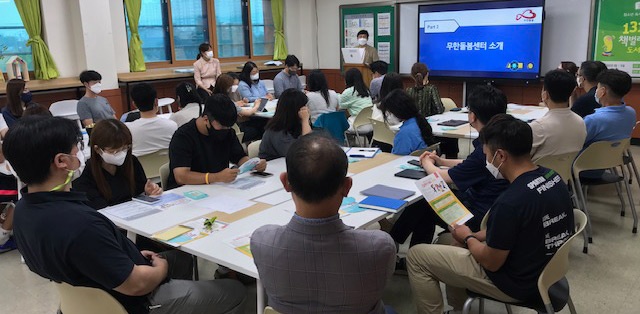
[[205, 72]]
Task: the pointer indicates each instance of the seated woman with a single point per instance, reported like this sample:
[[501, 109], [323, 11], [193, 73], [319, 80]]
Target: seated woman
[[427, 99], [415, 132], [18, 98], [250, 86], [355, 97], [112, 174], [253, 128], [206, 70], [390, 82], [189, 103], [290, 121], [321, 98]]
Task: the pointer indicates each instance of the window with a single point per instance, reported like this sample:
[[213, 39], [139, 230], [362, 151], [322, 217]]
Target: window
[[172, 30], [13, 36]]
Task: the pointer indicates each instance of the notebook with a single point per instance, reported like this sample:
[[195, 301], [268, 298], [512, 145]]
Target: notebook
[[388, 192], [453, 123], [383, 203]]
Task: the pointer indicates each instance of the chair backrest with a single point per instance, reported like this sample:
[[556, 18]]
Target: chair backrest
[[448, 104], [363, 117], [431, 148], [253, 149], [239, 133], [270, 310], [559, 163], [151, 163], [268, 84], [333, 122], [600, 155], [79, 300], [303, 80], [558, 266], [381, 132], [164, 175], [64, 108]]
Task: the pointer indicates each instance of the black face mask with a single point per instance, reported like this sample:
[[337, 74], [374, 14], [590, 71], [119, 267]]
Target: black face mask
[[218, 135]]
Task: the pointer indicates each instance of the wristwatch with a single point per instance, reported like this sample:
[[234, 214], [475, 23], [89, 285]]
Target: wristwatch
[[467, 239]]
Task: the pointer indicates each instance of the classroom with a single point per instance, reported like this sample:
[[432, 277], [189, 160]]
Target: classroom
[[319, 156]]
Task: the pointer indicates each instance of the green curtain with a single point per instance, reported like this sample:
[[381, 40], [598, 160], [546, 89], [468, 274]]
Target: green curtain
[[136, 57], [280, 46], [45, 67]]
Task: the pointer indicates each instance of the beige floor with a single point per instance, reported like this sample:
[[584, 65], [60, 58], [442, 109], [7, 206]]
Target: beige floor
[[607, 280]]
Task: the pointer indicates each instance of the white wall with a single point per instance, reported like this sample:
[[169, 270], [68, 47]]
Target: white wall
[[58, 31]]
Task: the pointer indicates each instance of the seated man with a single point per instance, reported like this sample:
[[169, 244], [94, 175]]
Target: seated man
[[615, 120], [527, 224], [316, 263], [477, 188], [379, 69], [586, 79], [288, 77], [150, 133], [201, 150], [92, 107], [63, 240], [560, 130]]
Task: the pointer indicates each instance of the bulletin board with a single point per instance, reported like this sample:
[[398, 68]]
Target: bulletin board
[[616, 35], [380, 21]]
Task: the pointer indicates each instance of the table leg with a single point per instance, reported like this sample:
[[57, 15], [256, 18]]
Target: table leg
[[132, 236], [260, 297]]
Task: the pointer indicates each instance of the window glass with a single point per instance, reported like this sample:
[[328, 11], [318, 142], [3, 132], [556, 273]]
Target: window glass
[[230, 28], [153, 29], [13, 36], [190, 27], [262, 30]]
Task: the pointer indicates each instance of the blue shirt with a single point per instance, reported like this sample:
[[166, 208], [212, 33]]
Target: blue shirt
[[610, 123], [479, 189], [253, 92], [408, 139]]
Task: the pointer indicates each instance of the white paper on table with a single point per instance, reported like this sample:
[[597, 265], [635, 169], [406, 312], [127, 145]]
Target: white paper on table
[[442, 200], [131, 210], [225, 204], [274, 198], [244, 183]]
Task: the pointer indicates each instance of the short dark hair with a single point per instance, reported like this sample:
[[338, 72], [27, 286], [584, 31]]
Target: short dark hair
[[144, 96], [569, 67], [507, 133], [590, 70], [221, 108], [234, 75], [36, 110], [316, 167], [32, 144], [559, 84], [379, 66], [363, 32], [486, 101], [617, 82], [90, 75], [291, 60]]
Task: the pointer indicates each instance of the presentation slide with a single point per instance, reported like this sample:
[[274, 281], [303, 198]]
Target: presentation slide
[[499, 40]]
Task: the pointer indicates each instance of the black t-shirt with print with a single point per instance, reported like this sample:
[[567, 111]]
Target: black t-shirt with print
[[531, 219]]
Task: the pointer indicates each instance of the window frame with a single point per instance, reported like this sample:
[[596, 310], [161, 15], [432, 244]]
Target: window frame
[[213, 38]]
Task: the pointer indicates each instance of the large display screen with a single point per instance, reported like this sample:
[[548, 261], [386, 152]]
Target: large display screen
[[489, 39]]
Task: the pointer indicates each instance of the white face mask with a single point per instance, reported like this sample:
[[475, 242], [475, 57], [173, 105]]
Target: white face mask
[[392, 120], [96, 88], [209, 54], [116, 159], [81, 158], [362, 41], [495, 171], [255, 77], [234, 88], [579, 81], [5, 168]]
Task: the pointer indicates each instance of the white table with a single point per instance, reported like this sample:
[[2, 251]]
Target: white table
[[271, 109], [215, 247], [524, 113]]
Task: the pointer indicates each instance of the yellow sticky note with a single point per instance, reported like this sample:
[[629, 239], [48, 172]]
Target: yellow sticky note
[[172, 233]]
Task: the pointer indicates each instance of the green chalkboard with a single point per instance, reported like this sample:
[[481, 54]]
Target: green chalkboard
[[616, 35], [379, 20]]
